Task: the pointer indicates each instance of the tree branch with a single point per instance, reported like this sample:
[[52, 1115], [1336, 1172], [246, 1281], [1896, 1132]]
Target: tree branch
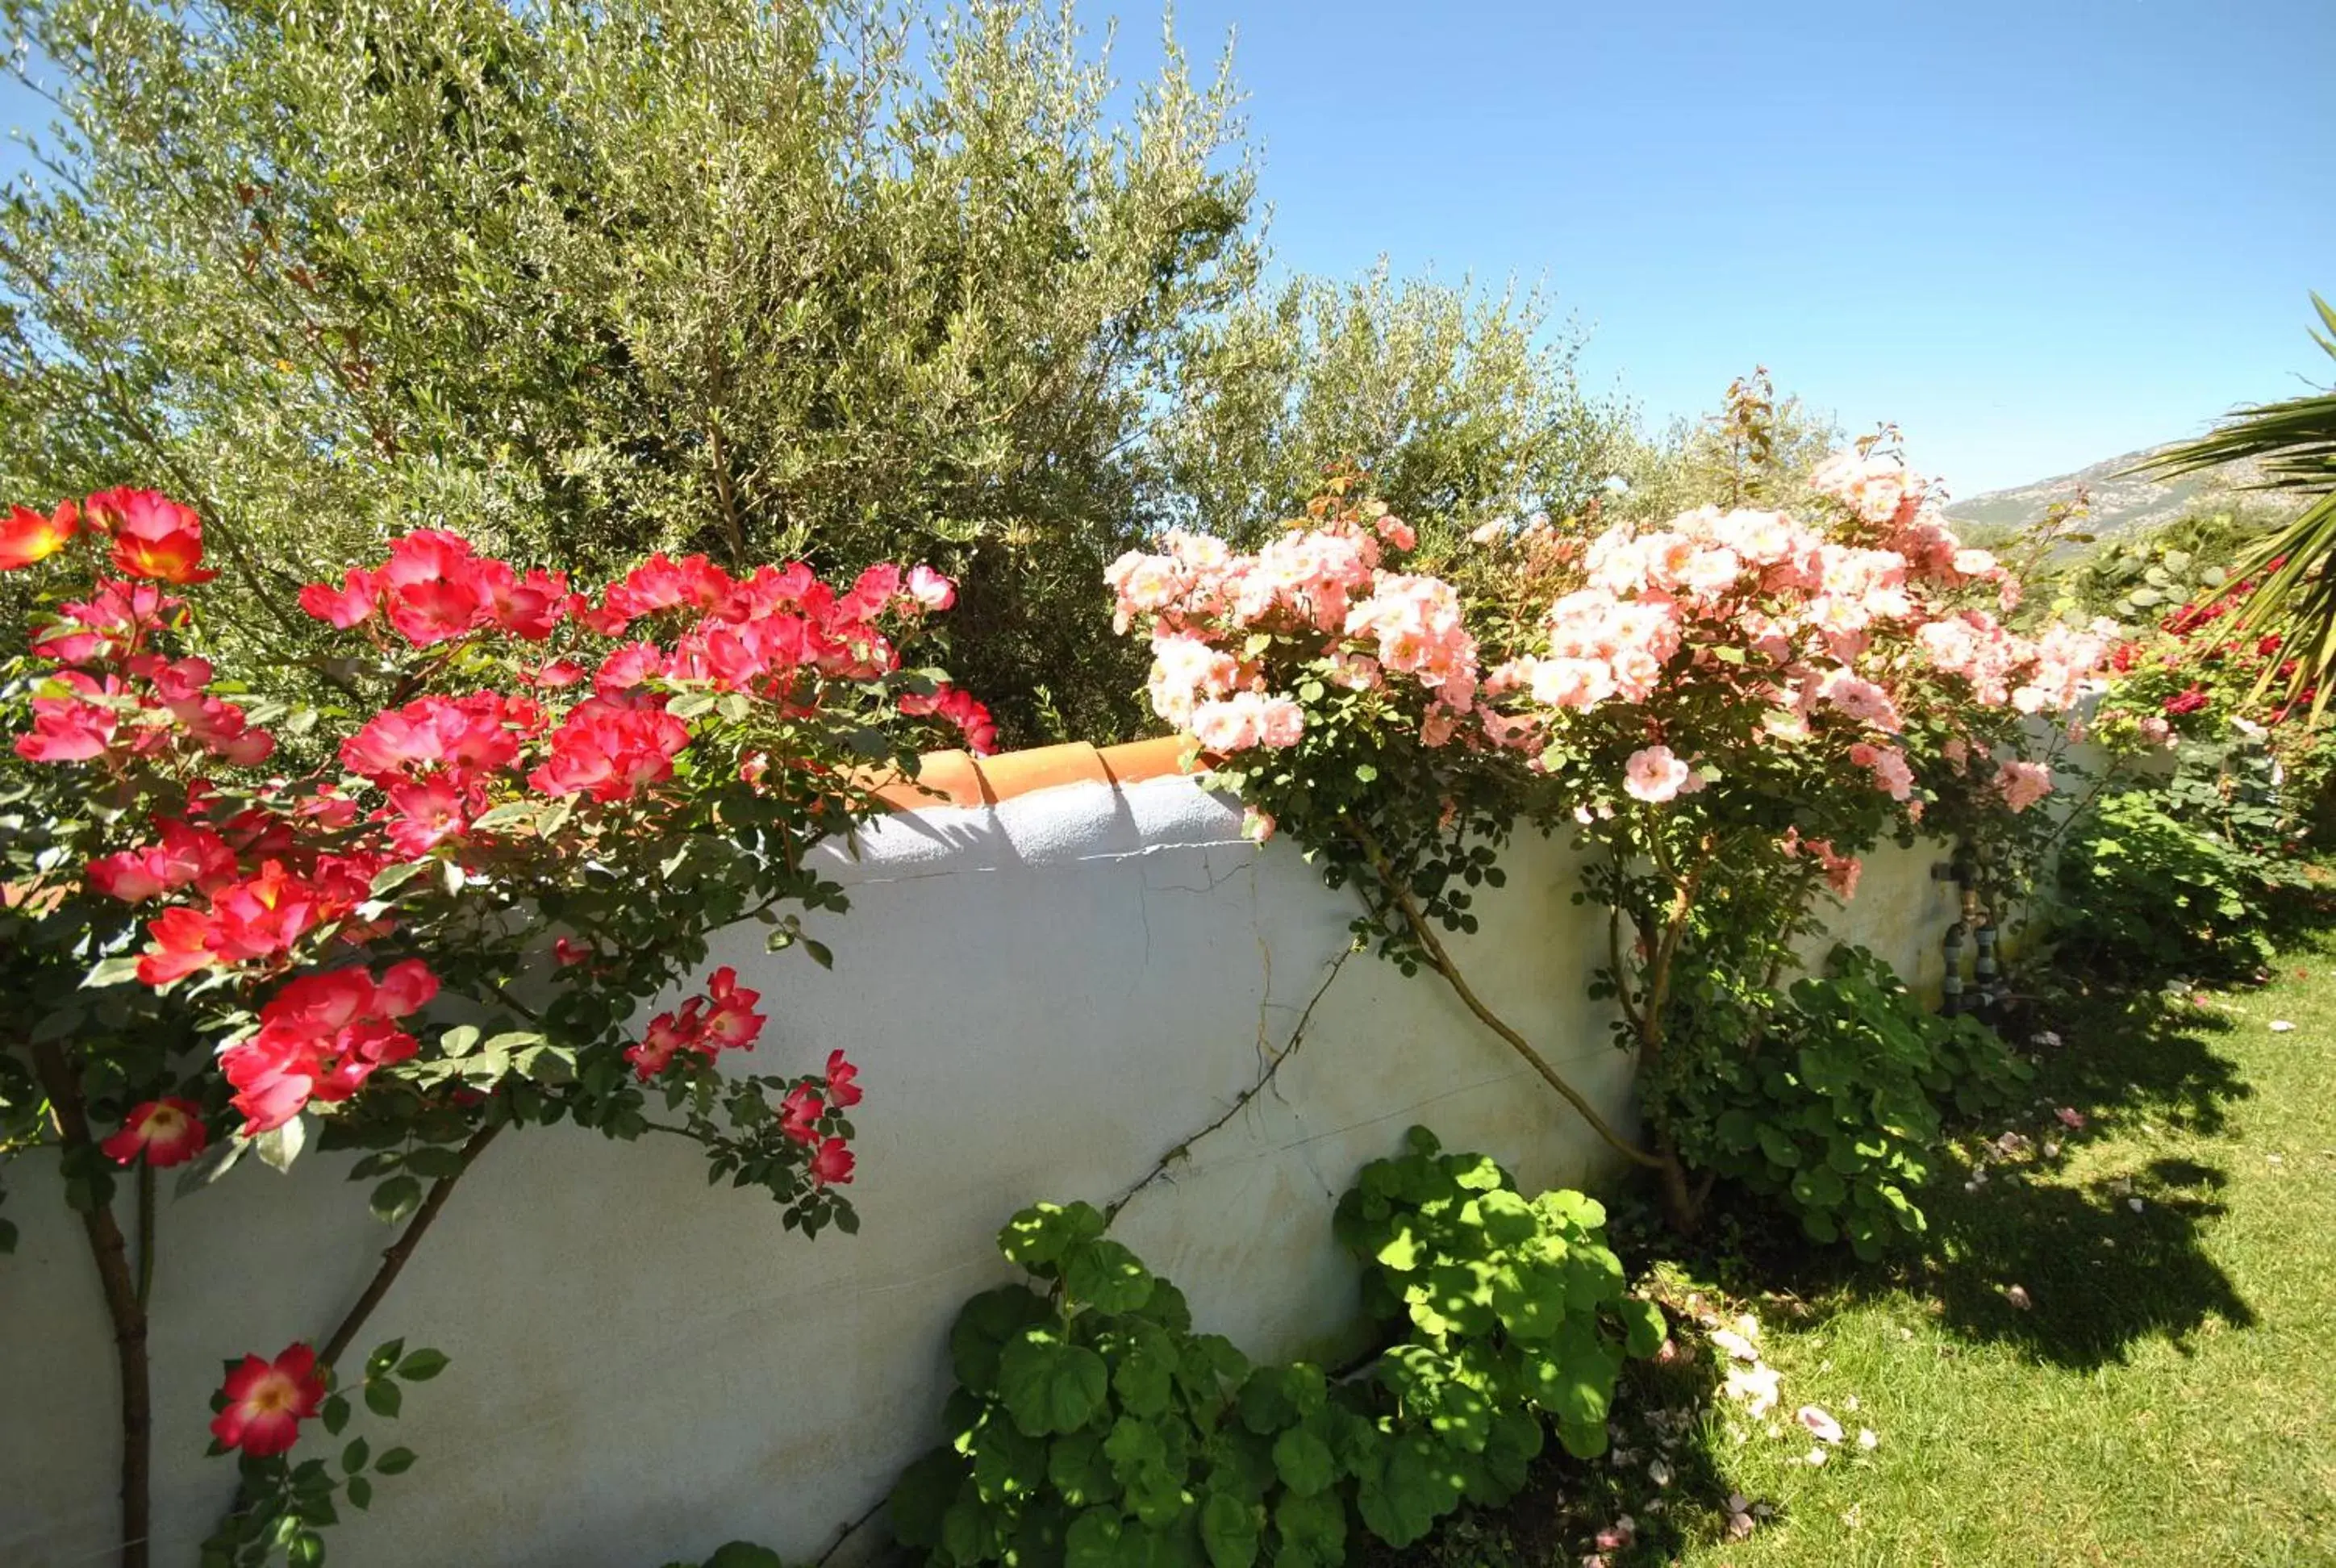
[[393, 1260], [1441, 961], [111, 1256]]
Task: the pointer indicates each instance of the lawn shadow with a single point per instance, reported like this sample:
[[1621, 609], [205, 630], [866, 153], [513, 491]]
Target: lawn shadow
[[2075, 1272], [2075, 1275], [2096, 1272]]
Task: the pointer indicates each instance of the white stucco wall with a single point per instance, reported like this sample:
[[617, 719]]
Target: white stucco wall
[[1046, 998]]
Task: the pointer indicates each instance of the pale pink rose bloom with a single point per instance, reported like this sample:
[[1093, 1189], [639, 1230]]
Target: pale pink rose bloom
[[1838, 612], [1760, 538], [1182, 666], [931, 589], [1436, 727], [1353, 671], [1653, 774], [1519, 732], [1201, 553], [1888, 767], [1862, 700], [1225, 727], [1637, 673], [1397, 532], [1576, 683], [2023, 784], [1842, 873], [1665, 558], [2157, 731], [1280, 722], [1513, 675], [1974, 562]]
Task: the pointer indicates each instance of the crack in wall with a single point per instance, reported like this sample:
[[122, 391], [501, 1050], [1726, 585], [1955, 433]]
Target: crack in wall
[[1162, 1167]]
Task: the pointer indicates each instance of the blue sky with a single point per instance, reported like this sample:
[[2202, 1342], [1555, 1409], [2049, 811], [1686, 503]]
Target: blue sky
[[2035, 235]]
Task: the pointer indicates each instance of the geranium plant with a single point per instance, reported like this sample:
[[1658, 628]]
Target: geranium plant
[[1727, 712], [405, 917]]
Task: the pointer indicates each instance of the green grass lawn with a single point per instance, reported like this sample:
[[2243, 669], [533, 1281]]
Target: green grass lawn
[[2167, 1396]]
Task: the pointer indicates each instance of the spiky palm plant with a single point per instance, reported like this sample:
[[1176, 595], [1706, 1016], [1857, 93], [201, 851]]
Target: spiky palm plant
[[2294, 595]]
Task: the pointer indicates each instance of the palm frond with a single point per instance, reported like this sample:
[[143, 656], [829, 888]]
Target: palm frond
[[2294, 568], [2295, 440]]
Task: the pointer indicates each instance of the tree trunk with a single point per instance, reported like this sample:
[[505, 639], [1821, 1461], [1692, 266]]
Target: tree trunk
[[111, 1254]]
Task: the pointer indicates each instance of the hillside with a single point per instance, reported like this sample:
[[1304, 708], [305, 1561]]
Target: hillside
[[2120, 505]]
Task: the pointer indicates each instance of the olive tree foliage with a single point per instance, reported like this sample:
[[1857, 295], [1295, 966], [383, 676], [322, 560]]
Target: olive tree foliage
[[759, 278], [1460, 406], [1756, 449]]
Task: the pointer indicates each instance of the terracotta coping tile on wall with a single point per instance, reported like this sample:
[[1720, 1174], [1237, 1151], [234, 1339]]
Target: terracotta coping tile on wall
[[1022, 773], [944, 778], [955, 778], [1137, 760]]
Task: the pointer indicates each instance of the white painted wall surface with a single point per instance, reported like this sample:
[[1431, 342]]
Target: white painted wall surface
[[1044, 999]]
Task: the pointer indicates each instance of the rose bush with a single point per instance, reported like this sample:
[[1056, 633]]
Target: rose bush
[[1727, 712], [425, 910]]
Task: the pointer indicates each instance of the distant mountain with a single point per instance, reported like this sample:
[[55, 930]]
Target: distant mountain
[[2120, 505]]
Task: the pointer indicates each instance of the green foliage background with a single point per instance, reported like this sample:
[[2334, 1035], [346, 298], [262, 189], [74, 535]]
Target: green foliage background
[[850, 280]]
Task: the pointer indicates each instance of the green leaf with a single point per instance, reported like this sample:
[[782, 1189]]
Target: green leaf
[[1530, 1298], [1309, 1532], [396, 1198], [510, 814], [1643, 1328], [1417, 1483], [1144, 1378], [394, 1461], [1036, 1238], [984, 1324], [110, 972], [921, 1498], [434, 1162], [279, 1146], [354, 1456], [359, 1491], [1076, 1468], [389, 878], [458, 1041], [421, 1365], [745, 1554], [1049, 1386], [1572, 1376], [1304, 1462], [1780, 1148], [382, 1398], [1106, 1276], [1098, 1539], [1229, 1528]]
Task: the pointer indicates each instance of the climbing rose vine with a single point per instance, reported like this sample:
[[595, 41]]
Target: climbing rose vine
[[1727, 711], [415, 889]]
